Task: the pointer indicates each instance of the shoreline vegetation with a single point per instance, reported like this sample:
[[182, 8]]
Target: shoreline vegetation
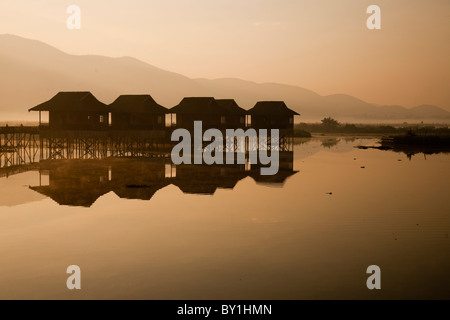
[[330, 126], [409, 139], [18, 123]]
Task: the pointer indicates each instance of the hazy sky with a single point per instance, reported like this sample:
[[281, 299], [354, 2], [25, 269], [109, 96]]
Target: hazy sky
[[322, 45]]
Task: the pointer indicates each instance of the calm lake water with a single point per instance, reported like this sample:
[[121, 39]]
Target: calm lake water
[[285, 238]]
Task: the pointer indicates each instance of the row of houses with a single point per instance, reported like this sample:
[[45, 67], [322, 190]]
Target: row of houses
[[83, 111]]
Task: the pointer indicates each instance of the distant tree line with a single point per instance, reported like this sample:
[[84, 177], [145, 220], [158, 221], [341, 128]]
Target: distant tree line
[[330, 125]]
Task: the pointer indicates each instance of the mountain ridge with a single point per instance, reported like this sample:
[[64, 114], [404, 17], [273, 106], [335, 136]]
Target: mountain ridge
[[33, 72]]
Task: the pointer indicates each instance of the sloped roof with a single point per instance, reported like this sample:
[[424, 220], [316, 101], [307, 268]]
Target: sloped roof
[[199, 105], [74, 101], [264, 108], [231, 106], [137, 104]]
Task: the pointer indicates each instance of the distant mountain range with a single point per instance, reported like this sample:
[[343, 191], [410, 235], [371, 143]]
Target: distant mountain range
[[32, 72]]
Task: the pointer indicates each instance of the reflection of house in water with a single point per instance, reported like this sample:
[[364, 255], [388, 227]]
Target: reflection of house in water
[[73, 111], [82, 182], [137, 112], [205, 179], [286, 170], [137, 178], [73, 182]]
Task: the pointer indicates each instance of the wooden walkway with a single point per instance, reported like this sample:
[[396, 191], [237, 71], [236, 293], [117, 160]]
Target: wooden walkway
[[19, 129], [23, 147]]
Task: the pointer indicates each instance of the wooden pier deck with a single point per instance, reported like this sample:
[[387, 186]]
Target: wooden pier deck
[[22, 147]]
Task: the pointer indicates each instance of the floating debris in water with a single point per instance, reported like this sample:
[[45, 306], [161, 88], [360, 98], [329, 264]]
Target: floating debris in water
[[330, 193], [363, 167]]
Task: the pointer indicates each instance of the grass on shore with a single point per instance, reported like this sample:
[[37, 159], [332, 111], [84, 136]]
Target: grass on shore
[[303, 129]]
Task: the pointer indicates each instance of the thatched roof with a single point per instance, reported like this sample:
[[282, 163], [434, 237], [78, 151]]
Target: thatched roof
[[73, 101], [201, 105], [137, 104], [269, 108], [231, 106]]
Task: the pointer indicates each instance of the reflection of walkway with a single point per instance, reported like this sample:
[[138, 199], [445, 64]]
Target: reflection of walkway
[[82, 182], [12, 170]]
